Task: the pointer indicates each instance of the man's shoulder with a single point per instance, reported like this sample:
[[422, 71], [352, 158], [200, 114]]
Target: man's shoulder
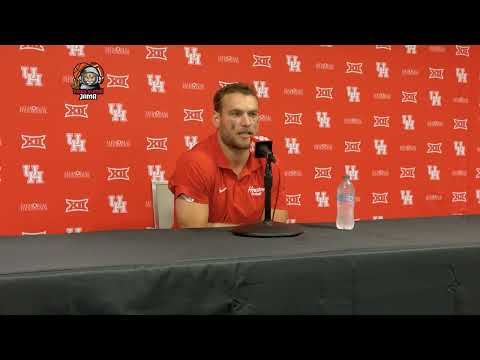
[[200, 155]]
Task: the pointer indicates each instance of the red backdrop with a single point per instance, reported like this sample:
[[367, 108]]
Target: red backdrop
[[402, 121]]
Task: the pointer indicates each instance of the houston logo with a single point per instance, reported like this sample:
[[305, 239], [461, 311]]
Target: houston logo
[[31, 76], [292, 145], [33, 174], [76, 142], [293, 63], [408, 122], [352, 172], [382, 70], [157, 85], [407, 197], [322, 199], [461, 75], [433, 172], [193, 56], [262, 89], [191, 141], [76, 50], [117, 204], [119, 114], [156, 173], [411, 49]]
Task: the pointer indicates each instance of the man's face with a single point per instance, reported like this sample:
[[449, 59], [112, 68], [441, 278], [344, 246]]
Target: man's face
[[89, 78], [238, 120]]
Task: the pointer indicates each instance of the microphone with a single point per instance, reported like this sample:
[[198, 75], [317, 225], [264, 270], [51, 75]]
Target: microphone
[[264, 149], [267, 228]]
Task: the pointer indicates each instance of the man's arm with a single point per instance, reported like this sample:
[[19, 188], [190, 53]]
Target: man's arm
[[280, 215], [193, 215]]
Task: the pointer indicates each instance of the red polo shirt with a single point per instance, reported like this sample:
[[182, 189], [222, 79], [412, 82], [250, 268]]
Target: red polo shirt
[[204, 174]]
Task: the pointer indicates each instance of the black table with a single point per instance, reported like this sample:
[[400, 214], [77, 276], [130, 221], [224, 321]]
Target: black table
[[404, 266]]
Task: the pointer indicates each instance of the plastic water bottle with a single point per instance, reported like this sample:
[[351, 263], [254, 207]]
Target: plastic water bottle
[[345, 204]]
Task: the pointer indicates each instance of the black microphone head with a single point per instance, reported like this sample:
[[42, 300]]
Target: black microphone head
[[264, 149]]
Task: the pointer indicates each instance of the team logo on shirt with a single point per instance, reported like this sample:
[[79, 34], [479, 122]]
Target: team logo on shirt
[[255, 191]]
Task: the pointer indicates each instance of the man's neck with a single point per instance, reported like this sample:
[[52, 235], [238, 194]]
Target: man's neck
[[237, 158]]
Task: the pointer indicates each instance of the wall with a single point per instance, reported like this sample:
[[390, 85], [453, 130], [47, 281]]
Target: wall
[[401, 120]]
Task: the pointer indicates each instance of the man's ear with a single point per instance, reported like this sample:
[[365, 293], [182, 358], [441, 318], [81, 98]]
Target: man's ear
[[216, 119]]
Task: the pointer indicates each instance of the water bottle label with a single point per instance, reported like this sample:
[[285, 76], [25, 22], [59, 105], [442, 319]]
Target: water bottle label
[[346, 198]]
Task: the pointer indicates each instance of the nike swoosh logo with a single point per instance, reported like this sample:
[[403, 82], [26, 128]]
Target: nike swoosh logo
[[222, 190]]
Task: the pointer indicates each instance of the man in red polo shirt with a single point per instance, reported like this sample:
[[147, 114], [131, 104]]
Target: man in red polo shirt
[[219, 182]]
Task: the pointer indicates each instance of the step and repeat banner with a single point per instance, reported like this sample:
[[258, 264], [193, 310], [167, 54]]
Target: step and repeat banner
[[85, 128]]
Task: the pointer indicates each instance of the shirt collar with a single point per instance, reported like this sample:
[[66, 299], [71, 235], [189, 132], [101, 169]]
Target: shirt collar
[[221, 160]]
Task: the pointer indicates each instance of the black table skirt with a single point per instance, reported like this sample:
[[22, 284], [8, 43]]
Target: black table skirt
[[405, 266]]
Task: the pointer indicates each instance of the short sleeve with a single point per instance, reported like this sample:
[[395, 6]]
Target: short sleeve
[[192, 177]]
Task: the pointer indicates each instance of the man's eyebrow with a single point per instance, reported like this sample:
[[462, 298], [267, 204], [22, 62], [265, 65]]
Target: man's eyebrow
[[240, 110]]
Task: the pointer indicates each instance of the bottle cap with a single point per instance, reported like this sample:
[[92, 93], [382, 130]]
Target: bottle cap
[[346, 177]]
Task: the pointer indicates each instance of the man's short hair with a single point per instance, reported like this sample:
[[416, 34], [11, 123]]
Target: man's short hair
[[238, 87]]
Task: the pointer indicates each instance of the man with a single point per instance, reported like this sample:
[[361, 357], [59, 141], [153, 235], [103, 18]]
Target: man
[[219, 182]]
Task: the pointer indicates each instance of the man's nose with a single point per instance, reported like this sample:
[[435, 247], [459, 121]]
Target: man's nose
[[246, 120]]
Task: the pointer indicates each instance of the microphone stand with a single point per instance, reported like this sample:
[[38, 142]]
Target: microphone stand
[[268, 228]]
